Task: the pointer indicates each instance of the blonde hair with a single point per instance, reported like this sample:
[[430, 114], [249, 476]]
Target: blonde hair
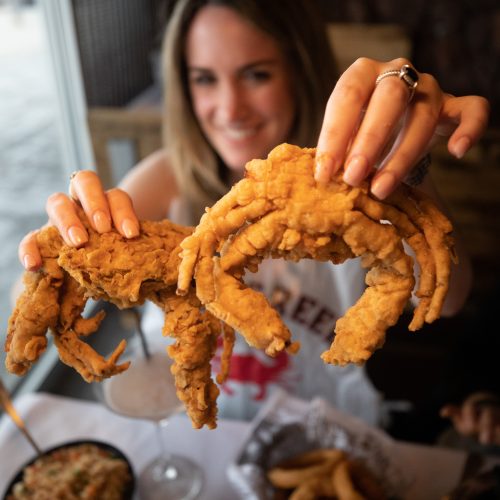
[[298, 31]]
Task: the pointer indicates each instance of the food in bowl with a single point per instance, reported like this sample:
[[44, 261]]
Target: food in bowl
[[82, 470]]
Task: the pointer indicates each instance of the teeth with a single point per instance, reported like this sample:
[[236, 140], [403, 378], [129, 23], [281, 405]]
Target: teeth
[[239, 133]]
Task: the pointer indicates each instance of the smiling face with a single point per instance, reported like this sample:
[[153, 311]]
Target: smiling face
[[239, 86]]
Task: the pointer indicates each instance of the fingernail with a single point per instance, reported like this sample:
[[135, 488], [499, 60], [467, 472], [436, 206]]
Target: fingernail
[[444, 413], [129, 228], [461, 147], [324, 167], [101, 221], [484, 437], [77, 236], [29, 262], [355, 170], [383, 185]]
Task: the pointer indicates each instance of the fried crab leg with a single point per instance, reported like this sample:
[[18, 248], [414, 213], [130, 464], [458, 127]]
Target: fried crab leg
[[279, 211], [196, 334], [52, 300]]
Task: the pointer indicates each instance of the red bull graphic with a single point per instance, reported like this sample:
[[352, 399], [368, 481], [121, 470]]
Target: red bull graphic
[[248, 368]]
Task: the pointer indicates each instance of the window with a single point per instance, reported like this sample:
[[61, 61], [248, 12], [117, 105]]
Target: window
[[38, 144]]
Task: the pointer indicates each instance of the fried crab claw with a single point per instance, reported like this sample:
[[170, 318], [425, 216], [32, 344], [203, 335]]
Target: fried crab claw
[[279, 211], [126, 273]]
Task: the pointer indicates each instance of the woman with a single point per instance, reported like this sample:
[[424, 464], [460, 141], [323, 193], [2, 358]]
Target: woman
[[242, 77]]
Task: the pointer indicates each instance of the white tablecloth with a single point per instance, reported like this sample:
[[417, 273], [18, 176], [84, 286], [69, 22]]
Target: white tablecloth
[[53, 419]]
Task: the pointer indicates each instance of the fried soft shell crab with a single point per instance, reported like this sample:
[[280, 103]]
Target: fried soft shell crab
[[126, 273], [277, 211]]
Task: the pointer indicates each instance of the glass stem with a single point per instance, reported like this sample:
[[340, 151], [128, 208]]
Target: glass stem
[[165, 469], [162, 440]]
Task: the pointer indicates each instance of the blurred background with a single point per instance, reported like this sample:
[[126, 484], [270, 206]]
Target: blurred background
[[80, 88]]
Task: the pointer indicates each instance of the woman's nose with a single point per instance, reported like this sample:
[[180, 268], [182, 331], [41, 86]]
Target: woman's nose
[[232, 102]]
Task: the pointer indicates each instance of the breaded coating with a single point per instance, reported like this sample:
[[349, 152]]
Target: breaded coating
[[126, 272], [196, 275], [278, 210]]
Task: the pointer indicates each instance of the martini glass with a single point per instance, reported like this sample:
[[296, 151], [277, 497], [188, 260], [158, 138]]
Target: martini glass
[[146, 390]]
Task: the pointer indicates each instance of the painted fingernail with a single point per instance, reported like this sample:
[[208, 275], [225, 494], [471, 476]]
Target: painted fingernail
[[129, 228], [461, 147], [77, 236], [355, 170], [101, 221], [383, 185], [29, 262]]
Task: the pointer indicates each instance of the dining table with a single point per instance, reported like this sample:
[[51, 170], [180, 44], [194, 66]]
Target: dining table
[[54, 419]]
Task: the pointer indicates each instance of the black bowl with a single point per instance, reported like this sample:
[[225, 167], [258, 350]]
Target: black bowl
[[115, 452]]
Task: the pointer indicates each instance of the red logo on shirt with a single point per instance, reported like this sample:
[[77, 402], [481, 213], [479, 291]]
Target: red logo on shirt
[[247, 368]]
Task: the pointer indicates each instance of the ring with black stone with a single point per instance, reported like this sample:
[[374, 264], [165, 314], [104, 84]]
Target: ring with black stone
[[406, 74]]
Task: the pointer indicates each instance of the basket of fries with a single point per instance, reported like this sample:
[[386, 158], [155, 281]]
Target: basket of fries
[[300, 450]]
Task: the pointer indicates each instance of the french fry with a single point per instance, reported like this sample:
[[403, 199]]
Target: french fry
[[342, 483], [300, 469], [325, 473]]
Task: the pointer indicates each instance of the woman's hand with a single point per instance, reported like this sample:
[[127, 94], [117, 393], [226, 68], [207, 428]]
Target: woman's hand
[[103, 209], [368, 124], [478, 416]]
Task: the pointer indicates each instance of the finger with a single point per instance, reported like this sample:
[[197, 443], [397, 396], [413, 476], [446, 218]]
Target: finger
[[62, 214], [414, 138], [385, 110], [456, 416], [28, 252], [469, 422], [448, 411], [122, 212], [486, 427], [471, 114], [342, 115], [86, 187], [489, 421]]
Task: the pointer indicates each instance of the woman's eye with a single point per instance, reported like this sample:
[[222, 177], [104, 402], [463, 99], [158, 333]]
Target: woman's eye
[[202, 79], [258, 75]]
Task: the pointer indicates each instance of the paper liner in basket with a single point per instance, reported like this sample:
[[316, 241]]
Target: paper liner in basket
[[287, 426]]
